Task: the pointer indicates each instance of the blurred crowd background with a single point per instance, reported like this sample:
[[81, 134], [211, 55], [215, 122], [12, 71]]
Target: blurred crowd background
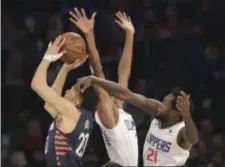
[[178, 44]]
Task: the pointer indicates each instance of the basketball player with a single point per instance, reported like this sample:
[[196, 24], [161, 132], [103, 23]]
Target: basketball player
[[118, 127], [172, 132], [73, 118]]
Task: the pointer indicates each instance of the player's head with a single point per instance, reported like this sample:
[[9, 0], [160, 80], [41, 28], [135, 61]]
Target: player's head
[[88, 99], [169, 110]]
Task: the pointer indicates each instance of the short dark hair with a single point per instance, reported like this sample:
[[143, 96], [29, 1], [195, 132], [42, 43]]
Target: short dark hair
[[111, 164], [90, 99], [176, 94]]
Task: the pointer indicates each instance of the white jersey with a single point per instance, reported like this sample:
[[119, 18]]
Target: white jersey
[[121, 141], [161, 148]]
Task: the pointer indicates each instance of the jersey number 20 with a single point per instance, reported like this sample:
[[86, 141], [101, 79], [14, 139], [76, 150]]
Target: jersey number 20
[[152, 155], [81, 148]]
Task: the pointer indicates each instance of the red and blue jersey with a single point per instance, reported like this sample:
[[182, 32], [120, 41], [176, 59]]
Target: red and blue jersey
[[67, 149]]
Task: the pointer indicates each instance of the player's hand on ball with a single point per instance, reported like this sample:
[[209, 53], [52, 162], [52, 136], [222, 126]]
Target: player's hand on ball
[[85, 82], [77, 63], [124, 22], [183, 104], [81, 21], [52, 53]]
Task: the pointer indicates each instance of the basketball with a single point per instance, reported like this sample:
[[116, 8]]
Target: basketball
[[74, 46]]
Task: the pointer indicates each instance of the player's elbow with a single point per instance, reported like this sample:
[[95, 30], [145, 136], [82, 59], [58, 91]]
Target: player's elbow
[[34, 85], [194, 140], [46, 106]]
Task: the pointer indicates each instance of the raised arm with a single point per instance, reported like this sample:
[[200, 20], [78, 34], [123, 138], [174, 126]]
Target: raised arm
[[87, 27], [60, 81], [106, 109], [39, 83], [124, 68], [94, 56], [118, 91]]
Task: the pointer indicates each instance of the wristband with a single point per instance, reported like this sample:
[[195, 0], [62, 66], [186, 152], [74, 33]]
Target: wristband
[[52, 57]]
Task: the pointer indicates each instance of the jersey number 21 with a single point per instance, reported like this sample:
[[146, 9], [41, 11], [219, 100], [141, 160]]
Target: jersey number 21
[[152, 155]]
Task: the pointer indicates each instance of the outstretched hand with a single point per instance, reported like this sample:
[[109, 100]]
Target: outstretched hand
[[124, 22], [52, 53], [77, 63], [81, 20], [183, 104]]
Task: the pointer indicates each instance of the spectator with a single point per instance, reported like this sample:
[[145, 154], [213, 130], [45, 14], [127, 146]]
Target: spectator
[[206, 131], [217, 143], [218, 159], [18, 159], [33, 143]]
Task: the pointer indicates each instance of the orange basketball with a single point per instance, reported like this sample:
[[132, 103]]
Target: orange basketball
[[74, 46]]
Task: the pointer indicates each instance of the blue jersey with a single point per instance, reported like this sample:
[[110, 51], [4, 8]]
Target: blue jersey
[[67, 149]]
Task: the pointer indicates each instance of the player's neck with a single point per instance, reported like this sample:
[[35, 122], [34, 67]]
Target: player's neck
[[169, 123], [166, 124]]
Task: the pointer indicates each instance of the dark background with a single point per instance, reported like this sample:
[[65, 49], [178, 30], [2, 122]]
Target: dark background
[[179, 44]]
